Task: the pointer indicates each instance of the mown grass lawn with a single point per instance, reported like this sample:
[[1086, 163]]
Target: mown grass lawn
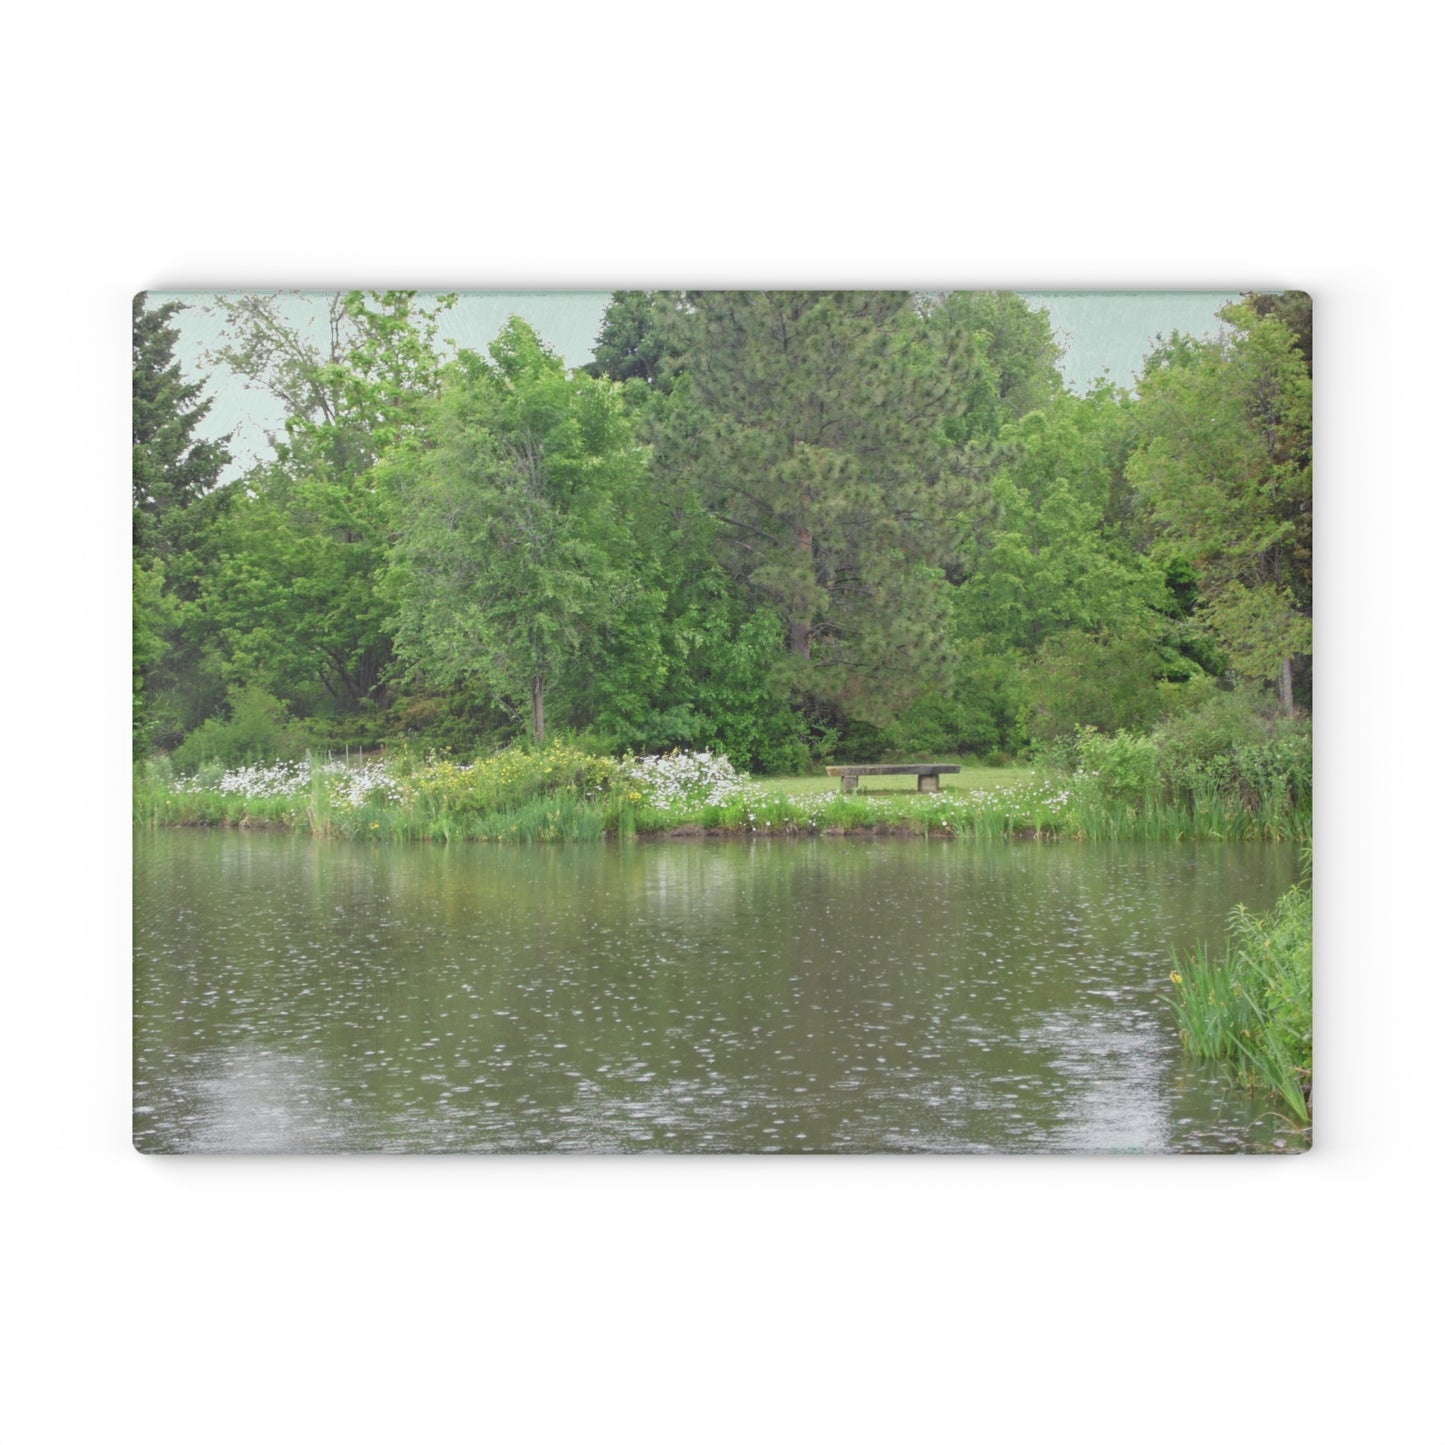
[[970, 779]]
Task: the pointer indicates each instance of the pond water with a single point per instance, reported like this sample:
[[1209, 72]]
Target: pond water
[[829, 995]]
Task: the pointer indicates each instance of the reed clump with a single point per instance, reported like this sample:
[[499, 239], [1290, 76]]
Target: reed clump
[[1221, 773], [1252, 1006]]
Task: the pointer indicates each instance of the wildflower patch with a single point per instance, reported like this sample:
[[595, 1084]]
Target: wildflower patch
[[677, 780]]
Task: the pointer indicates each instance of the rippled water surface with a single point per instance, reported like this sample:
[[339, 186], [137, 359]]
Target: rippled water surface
[[780, 996]]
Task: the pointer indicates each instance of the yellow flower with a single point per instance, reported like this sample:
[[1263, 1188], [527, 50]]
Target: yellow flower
[[1175, 978]]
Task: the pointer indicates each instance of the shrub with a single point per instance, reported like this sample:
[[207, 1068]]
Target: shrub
[[1225, 770], [506, 780], [1228, 751], [1225, 721], [1123, 767], [258, 727]]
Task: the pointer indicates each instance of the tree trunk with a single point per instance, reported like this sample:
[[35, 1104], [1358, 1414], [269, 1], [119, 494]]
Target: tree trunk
[[800, 637], [1286, 687], [539, 688], [800, 628]]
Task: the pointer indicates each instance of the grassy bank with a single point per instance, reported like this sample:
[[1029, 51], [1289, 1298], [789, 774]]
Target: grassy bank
[[1252, 1007], [559, 793]]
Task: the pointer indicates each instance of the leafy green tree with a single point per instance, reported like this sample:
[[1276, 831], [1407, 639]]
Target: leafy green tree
[[1055, 553], [346, 396], [1296, 310], [1015, 369], [1056, 583], [151, 616], [297, 600], [1223, 462], [722, 689], [516, 567]]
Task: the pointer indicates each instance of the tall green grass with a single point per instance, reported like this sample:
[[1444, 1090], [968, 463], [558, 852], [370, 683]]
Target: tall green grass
[[1252, 1007], [1246, 779]]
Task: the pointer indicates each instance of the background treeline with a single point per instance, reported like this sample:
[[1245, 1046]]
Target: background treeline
[[790, 526]]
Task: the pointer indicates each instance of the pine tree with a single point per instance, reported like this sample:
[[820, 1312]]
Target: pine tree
[[171, 469], [176, 499], [816, 427]]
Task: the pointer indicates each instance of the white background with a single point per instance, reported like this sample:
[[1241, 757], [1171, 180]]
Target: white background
[[677, 1300]]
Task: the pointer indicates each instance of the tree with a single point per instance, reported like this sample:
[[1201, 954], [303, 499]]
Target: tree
[[176, 502], [1056, 552], [515, 565], [1015, 359], [151, 616], [1296, 310], [814, 426], [630, 345], [1055, 584], [296, 601], [173, 472], [1223, 462], [348, 402]]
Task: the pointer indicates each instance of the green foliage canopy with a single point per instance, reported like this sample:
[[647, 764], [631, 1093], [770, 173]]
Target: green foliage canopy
[[771, 523], [296, 603], [1223, 462], [813, 426], [176, 504], [518, 528]]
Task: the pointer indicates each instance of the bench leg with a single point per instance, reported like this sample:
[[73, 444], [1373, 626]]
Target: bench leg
[[928, 782], [850, 784]]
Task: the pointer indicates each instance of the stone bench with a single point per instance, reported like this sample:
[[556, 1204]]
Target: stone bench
[[926, 773]]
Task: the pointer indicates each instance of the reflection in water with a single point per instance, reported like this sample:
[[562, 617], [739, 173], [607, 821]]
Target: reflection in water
[[802, 996]]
